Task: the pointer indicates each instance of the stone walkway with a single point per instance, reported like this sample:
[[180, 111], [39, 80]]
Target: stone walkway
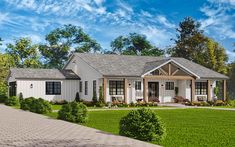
[[26, 129]]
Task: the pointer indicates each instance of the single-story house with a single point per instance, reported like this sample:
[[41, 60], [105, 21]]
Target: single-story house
[[119, 78]]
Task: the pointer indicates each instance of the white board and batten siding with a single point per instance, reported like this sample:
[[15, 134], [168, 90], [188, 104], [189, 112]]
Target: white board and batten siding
[[86, 73], [69, 88]]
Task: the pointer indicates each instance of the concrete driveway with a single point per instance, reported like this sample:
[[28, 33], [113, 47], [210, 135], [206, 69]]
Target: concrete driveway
[[26, 129]]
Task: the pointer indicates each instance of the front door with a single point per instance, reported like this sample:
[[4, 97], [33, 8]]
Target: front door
[[153, 91]]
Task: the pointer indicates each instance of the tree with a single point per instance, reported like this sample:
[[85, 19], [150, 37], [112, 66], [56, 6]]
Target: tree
[[1, 41], [60, 42], [134, 44], [24, 53], [189, 40], [6, 61], [231, 81], [215, 57], [193, 45]]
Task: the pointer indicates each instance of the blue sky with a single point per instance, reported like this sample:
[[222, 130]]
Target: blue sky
[[104, 20]]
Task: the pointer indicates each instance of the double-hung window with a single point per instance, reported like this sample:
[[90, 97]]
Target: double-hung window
[[53, 88], [80, 86], [86, 87], [201, 88], [137, 85], [116, 87], [94, 87], [169, 86]]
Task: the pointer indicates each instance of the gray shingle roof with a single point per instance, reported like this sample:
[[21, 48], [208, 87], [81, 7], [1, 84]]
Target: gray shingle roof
[[30, 73], [124, 65]]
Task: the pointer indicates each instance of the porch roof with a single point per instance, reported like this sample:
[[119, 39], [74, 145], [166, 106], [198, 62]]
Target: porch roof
[[126, 65]]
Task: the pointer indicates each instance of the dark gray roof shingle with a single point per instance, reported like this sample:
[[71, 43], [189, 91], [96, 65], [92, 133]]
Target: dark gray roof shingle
[[30, 73], [125, 65]]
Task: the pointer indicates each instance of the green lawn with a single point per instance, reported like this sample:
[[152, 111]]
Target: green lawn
[[56, 107], [185, 127]]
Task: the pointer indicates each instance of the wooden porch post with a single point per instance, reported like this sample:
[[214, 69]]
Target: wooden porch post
[[193, 90], [209, 90], [224, 90], [145, 82], [169, 69], [125, 90], [105, 89]]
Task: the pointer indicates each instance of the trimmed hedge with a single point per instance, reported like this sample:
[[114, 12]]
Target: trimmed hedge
[[73, 112], [142, 124], [3, 98], [12, 101], [39, 105]]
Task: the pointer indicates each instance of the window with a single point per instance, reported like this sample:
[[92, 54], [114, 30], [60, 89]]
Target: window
[[94, 87], [169, 86], [201, 88], [80, 86], [12, 89], [137, 85], [86, 87], [53, 88], [116, 87]]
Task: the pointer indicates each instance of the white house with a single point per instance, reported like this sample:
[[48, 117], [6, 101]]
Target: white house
[[121, 77]]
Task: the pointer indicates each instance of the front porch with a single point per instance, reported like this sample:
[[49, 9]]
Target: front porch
[[161, 84]]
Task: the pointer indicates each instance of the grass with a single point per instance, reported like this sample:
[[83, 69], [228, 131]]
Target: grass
[[185, 127], [52, 115], [56, 107], [188, 127]]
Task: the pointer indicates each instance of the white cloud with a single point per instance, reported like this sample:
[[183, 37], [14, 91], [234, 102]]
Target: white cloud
[[3, 17], [162, 19], [218, 22], [230, 54], [160, 37], [146, 14]]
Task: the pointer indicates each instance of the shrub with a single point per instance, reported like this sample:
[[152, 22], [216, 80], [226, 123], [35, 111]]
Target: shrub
[[231, 103], [142, 124], [21, 96], [101, 96], [77, 98], [94, 98], [39, 105], [205, 104], [26, 103], [219, 103], [3, 98], [12, 101], [88, 103], [73, 112]]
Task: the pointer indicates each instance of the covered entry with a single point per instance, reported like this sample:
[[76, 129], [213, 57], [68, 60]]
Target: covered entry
[[153, 91]]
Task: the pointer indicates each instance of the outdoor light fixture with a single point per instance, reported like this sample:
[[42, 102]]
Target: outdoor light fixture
[[31, 85]]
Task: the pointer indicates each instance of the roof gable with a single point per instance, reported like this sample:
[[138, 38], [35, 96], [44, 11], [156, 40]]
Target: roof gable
[[151, 66]]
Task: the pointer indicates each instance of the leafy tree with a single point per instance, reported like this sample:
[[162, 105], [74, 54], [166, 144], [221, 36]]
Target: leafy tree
[[189, 40], [101, 95], [193, 45], [231, 81], [24, 53], [1, 41], [214, 56], [134, 44], [6, 61], [60, 42]]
